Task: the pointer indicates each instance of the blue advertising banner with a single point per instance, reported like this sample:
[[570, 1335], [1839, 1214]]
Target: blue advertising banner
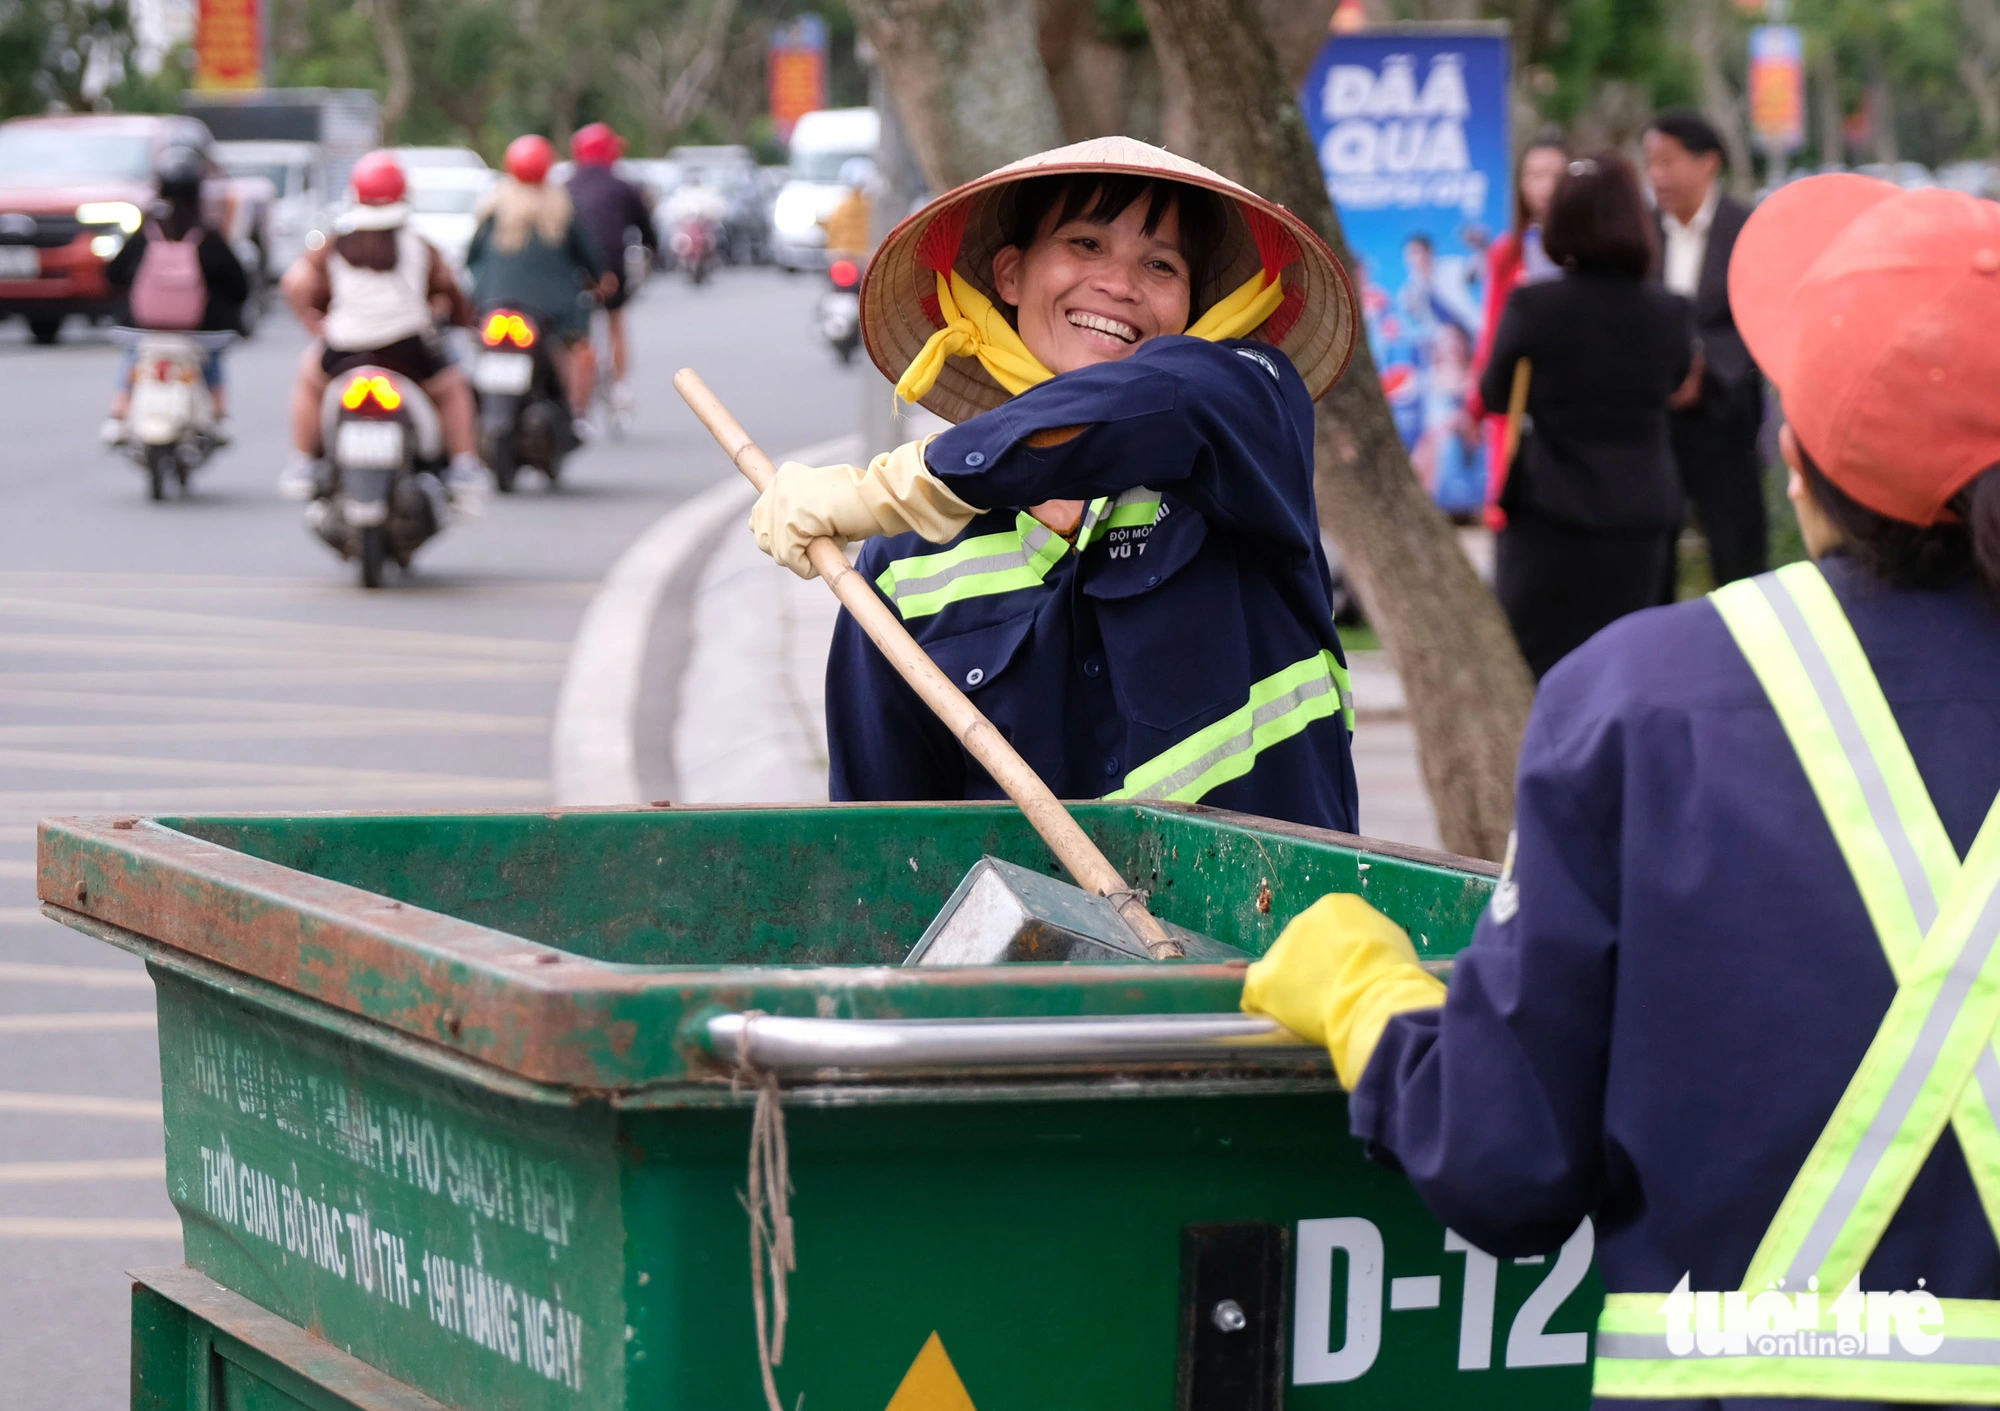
[[1411, 127]]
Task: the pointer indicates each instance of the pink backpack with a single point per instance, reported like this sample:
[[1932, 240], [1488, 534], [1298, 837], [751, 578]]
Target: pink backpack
[[168, 290]]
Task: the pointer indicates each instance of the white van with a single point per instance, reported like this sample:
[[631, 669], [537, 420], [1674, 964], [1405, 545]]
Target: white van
[[821, 143]]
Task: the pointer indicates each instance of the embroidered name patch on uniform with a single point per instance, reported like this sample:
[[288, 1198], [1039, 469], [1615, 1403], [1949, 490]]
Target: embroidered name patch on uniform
[[1124, 525]]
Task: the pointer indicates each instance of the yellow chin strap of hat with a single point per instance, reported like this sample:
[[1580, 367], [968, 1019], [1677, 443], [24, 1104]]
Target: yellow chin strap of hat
[[975, 328]]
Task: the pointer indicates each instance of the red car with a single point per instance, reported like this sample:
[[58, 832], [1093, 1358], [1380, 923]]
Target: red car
[[71, 190]]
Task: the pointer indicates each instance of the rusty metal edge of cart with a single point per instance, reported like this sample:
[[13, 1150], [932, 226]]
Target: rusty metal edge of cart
[[530, 1010]]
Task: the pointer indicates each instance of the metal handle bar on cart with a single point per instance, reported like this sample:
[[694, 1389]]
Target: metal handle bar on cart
[[788, 1046]]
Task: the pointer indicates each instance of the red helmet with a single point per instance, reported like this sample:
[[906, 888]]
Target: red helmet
[[378, 179], [529, 158], [596, 145]]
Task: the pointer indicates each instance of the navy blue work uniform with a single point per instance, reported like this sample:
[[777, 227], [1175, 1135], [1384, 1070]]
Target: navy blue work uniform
[[1182, 648], [1678, 978]]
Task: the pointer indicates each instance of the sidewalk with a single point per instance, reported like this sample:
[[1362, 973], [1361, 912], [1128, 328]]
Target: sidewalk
[[750, 723]]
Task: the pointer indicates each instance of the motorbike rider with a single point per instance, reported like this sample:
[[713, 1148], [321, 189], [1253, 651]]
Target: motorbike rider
[[612, 209], [695, 202], [177, 216], [373, 295], [850, 225], [531, 252]]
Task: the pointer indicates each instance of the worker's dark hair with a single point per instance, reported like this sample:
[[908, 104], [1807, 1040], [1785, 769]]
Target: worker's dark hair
[[1102, 197], [1598, 221], [1906, 555], [1691, 130]]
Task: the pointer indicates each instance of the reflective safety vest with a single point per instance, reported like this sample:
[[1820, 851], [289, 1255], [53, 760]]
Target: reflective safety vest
[[1932, 1061], [1279, 706], [1008, 561]]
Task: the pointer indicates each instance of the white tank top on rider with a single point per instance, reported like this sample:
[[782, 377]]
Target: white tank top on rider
[[372, 308]]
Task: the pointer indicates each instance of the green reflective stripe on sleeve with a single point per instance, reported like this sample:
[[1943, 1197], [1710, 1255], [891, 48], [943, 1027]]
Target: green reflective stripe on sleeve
[[1346, 684], [1280, 706], [1635, 1357], [1005, 562], [1091, 514]]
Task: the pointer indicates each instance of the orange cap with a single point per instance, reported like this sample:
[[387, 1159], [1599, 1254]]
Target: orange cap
[[1874, 310]]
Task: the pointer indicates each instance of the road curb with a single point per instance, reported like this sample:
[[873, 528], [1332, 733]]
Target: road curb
[[594, 738]]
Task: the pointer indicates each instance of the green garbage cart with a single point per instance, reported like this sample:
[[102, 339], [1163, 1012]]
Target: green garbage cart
[[459, 1110]]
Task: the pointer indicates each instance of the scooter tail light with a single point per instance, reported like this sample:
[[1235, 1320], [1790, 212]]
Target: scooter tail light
[[846, 274], [385, 394], [498, 326], [521, 331], [356, 393]]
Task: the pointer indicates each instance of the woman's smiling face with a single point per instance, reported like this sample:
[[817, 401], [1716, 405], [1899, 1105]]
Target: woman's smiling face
[[1089, 291]]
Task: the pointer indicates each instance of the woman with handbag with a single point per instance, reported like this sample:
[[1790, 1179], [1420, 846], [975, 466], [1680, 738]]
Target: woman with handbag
[[1593, 500]]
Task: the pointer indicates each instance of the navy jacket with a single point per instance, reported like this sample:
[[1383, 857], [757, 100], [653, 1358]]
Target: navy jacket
[[1659, 1033], [1204, 579]]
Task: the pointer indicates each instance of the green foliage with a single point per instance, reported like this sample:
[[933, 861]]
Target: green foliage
[[53, 53], [1120, 22], [1591, 42]]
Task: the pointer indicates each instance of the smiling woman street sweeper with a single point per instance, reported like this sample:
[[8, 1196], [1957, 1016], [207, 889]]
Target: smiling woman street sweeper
[[1115, 552]]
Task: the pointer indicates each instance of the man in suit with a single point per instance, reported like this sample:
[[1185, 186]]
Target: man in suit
[[1718, 410]]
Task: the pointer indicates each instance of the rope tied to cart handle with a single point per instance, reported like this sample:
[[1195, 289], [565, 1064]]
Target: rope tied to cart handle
[[768, 1204]]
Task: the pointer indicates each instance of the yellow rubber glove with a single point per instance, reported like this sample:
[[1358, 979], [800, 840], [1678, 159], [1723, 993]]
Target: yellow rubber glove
[[1339, 973], [895, 494]]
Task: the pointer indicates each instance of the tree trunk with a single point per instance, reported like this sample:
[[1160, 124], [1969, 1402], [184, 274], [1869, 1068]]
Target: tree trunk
[[1467, 687], [1882, 117], [1979, 66], [689, 92], [1297, 28], [388, 27], [968, 80], [1718, 96], [1829, 118]]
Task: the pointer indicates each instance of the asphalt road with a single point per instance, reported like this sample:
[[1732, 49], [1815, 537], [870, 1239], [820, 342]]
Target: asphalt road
[[209, 654]]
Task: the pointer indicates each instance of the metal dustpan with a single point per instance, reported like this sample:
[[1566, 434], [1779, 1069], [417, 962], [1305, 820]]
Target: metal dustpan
[[1002, 912]]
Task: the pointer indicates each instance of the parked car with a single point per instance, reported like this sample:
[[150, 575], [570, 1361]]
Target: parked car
[[1908, 175], [732, 171], [1973, 178], [72, 188], [442, 200], [413, 158], [822, 143], [302, 199]]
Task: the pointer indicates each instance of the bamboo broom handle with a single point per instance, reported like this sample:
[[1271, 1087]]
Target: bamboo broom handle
[[1071, 845]]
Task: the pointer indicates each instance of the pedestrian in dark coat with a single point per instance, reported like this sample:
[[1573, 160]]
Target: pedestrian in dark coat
[[1593, 501], [1718, 413]]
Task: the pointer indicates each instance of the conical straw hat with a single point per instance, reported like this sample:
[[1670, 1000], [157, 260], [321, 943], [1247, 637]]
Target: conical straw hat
[[1315, 326]]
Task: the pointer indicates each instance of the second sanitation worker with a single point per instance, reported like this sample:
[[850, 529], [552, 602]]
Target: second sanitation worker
[[1735, 998], [1116, 551]]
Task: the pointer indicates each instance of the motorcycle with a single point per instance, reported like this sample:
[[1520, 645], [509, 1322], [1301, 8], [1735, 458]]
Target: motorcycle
[[694, 245], [385, 452], [839, 313], [170, 430], [524, 414]]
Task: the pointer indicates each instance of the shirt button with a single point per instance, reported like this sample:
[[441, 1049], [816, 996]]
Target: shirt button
[[1153, 581], [975, 459], [975, 676], [1111, 767], [1093, 668]]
